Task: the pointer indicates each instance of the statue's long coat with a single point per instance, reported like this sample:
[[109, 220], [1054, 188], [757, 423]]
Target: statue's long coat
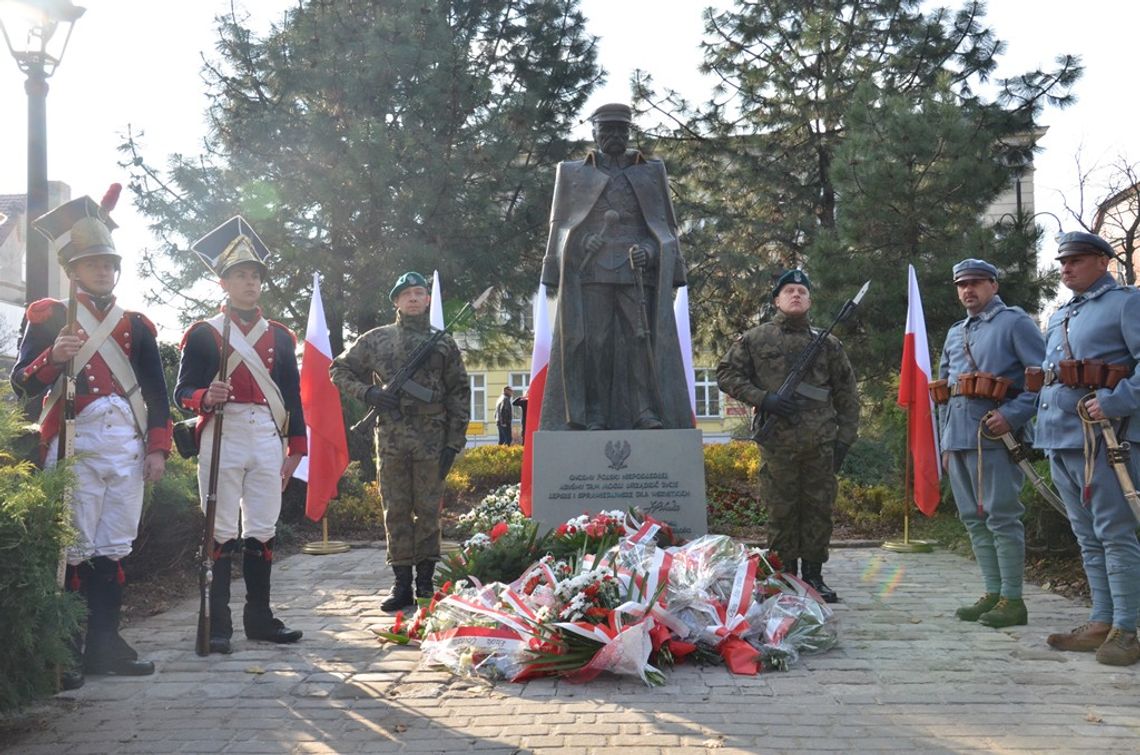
[[578, 185]]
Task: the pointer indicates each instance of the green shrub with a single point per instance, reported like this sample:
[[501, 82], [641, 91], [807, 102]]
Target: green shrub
[[170, 529], [34, 526], [483, 468], [737, 461], [357, 506], [869, 505]]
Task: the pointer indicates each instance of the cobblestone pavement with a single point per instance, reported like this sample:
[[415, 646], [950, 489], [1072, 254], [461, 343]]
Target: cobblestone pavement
[[907, 676]]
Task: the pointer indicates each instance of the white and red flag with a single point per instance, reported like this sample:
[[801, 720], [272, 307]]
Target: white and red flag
[[685, 338], [914, 396], [435, 312], [539, 361], [328, 445]]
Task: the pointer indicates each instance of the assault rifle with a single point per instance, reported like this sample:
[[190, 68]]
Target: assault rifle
[[402, 382], [763, 424]]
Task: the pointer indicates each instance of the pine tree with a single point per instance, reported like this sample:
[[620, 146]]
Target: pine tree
[[366, 139], [763, 179]]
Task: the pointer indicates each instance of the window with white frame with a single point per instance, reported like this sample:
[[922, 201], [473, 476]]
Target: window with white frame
[[519, 382], [478, 383], [708, 395]]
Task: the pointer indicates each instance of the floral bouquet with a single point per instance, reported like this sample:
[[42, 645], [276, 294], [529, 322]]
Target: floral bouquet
[[498, 555], [474, 633], [501, 505], [587, 534]]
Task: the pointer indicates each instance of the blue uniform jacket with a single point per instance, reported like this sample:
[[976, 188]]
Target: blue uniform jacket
[[1104, 323], [1003, 341]]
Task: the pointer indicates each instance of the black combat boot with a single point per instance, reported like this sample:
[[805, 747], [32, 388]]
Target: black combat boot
[[813, 574], [400, 596], [221, 622], [792, 566], [75, 580], [105, 652], [425, 569], [257, 564]]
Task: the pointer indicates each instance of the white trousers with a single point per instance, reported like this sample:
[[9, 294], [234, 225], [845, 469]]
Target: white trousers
[[107, 496], [249, 477]]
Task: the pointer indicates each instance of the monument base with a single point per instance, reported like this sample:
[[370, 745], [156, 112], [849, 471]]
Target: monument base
[[661, 472]]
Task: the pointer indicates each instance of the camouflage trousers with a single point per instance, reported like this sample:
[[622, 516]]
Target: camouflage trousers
[[410, 492], [798, 487]]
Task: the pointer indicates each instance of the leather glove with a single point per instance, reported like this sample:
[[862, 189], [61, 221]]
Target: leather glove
[[776, 404], [838, 455], [446, 459], [381, 399]]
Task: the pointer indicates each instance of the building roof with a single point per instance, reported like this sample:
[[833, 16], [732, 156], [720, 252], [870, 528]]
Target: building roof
[[12, 207]]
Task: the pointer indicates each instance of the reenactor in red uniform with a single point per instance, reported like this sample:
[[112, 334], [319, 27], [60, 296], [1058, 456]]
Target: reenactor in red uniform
[[264, 437], [121, 420]]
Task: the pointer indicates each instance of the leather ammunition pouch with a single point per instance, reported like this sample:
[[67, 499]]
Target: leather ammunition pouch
[[186, 439], [1090, 374]]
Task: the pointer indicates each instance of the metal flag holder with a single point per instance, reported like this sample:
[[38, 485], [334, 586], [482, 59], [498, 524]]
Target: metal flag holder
[[906, 545], [324, 546]]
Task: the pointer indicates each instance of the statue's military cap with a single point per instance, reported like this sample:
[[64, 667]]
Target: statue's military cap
[[79, 228], [232, 243], [614, 111], [407, 280], [971, 269], [791, 276], [1074, 243]]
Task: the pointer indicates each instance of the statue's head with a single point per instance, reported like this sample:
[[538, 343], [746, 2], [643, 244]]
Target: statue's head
[[611, 128]]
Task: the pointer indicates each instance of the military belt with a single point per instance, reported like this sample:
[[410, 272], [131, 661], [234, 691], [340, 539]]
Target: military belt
[[419, 408]]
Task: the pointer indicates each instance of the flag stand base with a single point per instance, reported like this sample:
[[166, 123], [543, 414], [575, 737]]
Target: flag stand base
[[908, 546], [324, 546]]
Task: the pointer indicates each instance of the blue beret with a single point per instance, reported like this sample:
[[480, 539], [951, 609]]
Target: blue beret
[[974, 268], [1074, 243], [407, 280], [791, 276]]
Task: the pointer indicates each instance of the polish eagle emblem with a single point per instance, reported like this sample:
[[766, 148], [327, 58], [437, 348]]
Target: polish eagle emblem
[[617, 451]]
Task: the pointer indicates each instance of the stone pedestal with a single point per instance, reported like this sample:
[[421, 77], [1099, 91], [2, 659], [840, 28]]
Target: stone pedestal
[[661, 472]]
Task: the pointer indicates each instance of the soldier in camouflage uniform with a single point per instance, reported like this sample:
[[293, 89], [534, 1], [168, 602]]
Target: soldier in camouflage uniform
[[417, 441], [800, 460]]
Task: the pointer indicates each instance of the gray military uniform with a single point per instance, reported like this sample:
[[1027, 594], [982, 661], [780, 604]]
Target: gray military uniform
[[1102, 323], [1003, 341]]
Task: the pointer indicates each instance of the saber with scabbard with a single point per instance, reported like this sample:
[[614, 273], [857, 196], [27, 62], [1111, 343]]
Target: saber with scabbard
[[1020, 455], [1117, 453]]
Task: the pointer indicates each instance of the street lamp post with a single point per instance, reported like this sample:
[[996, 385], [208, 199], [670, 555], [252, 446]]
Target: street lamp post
[[30, 30]]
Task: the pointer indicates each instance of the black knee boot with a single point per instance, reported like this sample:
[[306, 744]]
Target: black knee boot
[[400, 596], [425, 587], [221, 621], [105, 652], [257, 564], [75, 580], [813, 575]]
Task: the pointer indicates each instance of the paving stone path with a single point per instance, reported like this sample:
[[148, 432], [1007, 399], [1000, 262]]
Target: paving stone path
[[907, 676]]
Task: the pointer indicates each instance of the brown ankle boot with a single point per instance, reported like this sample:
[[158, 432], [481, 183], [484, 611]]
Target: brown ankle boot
[[1120, 648], [1084, 639]]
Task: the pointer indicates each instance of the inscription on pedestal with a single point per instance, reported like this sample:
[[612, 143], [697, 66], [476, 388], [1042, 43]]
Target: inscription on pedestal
[[661, 472]]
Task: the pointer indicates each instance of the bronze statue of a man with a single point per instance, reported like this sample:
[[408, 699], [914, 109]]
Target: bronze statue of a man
[[613, 259]]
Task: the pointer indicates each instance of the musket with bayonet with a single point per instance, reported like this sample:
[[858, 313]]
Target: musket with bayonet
[[1117, 453], [1020, 455], [206, 547], [764, 424], [402, 383], [66, 447]]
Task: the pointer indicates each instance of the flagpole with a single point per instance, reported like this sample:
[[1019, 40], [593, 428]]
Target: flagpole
[[906, 545]]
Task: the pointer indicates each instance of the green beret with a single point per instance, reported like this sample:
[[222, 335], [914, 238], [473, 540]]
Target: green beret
[[407, 280], [791, 276]]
